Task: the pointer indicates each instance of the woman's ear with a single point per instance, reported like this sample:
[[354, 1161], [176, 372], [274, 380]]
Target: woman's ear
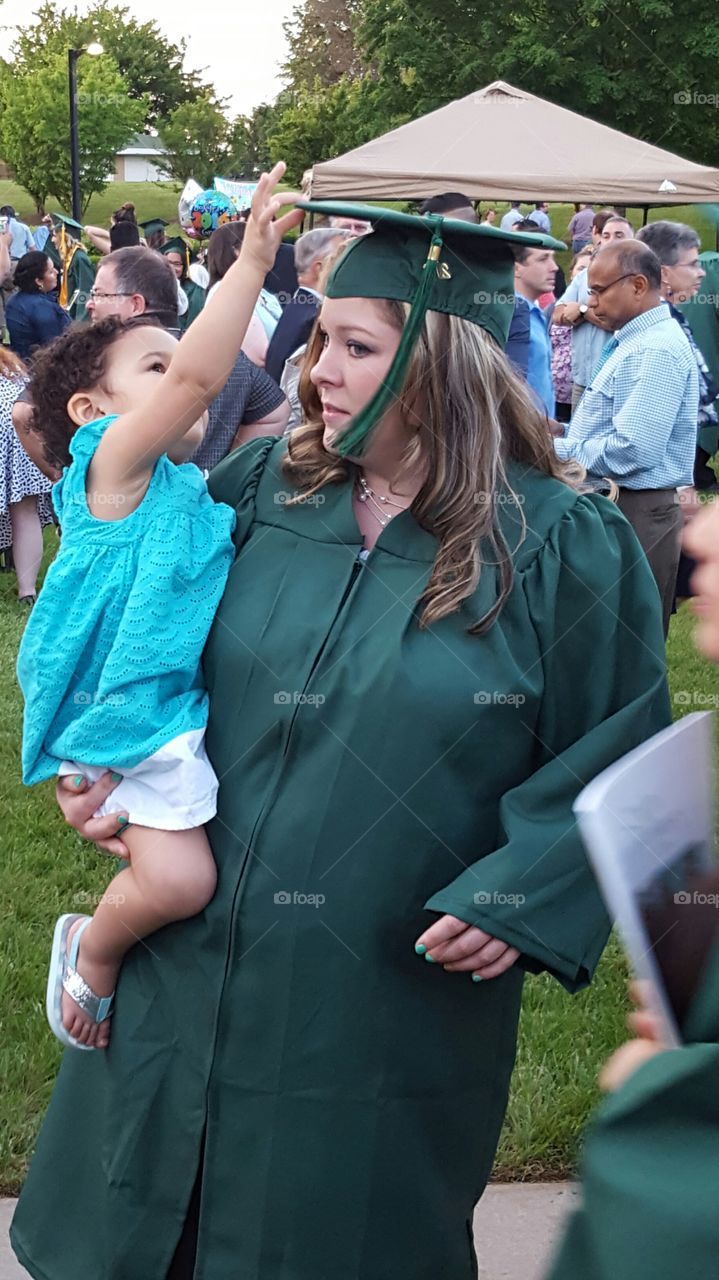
[[81, 408]]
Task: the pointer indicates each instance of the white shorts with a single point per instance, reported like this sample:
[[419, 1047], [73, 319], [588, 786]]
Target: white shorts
[[173, 790]]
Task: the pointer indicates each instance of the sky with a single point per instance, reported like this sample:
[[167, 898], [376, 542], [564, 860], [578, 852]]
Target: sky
[[241, 53]]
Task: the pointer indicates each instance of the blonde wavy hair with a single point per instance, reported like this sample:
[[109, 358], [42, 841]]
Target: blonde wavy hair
[[471, 416]]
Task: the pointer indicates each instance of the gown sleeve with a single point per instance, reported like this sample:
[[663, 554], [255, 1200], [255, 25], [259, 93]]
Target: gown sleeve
[[594, 606], [236, 479]]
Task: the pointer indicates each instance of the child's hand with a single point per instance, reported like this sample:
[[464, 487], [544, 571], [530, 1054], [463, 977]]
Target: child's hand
[[263, 236]]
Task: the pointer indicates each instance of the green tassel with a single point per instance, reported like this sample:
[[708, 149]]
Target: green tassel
[[353, 439]]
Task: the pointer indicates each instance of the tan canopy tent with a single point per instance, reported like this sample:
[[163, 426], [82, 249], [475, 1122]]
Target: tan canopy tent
[[502, 143]]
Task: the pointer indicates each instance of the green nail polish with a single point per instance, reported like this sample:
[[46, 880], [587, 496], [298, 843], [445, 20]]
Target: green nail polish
[[476, 977], [116, 777], [77, 780], [122, 820], [430, 959], [420, 948]]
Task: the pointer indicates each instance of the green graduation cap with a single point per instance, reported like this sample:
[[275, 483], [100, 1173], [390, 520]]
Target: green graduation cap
[[433, 263], [152, 225], [61, 220], [177, 245]]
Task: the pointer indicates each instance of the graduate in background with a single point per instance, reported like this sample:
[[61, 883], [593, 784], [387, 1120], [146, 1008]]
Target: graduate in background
[[77, 272], [154, 232], [178, 252]]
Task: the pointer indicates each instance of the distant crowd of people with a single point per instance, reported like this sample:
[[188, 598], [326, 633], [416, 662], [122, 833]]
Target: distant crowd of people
[[609, 354]]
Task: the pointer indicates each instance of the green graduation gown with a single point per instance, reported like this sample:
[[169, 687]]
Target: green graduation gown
[[346, 1097], [196, 297], [80, 276], [651, 1166]]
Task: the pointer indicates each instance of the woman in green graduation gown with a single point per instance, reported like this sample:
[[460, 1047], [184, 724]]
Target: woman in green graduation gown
[[177, 253], [429, 642], [77, 272], [651, 1159]]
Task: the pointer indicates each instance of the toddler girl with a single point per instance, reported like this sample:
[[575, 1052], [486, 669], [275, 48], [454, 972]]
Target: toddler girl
[[110, 660]]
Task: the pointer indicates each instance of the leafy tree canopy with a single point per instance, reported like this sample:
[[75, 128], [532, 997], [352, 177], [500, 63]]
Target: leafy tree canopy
[[150, 63], [34, 115]]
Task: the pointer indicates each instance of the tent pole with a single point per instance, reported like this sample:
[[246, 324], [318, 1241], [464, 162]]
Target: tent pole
[[645, 214]]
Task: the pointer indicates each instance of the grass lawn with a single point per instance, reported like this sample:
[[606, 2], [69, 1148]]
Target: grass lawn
[[151, 200], [563, 1039]]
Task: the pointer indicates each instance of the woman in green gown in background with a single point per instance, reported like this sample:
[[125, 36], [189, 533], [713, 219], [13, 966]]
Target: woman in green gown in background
[[177, 252], [429, 642]]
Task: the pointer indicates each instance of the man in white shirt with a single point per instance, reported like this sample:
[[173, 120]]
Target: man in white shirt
[[511, 217], [540, 216]]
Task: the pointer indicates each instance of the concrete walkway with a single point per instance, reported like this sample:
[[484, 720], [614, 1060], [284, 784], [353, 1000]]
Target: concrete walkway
[[516, 1227]]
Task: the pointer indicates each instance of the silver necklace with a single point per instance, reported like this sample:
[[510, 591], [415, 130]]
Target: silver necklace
[[378, 503]]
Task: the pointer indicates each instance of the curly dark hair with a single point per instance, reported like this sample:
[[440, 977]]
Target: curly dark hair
[[76, 361]]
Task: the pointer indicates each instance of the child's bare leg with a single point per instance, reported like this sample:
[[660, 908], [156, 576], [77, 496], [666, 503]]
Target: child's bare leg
[[171, 876]]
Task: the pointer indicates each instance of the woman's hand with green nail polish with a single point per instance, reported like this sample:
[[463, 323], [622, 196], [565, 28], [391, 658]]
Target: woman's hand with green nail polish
[[79, 805], [462, 948]]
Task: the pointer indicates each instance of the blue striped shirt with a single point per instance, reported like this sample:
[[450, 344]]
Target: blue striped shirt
[[637, 420]]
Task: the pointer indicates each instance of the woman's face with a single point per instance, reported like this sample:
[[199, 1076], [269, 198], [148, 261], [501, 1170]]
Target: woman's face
[[48, 280], [359, 345], [701, 540], [683, 279], [176, 262]]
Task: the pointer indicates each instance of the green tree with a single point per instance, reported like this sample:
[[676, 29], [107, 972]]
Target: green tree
[[198, 139], [321, 41], [151, 64], [250, 153], [321, 123], [34, 126], [647, 67]]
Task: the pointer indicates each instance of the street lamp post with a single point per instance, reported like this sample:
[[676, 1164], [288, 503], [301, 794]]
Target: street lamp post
[[72, 57]]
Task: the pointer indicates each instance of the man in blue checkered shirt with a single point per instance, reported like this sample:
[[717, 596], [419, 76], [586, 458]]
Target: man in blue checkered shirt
[[637, 420]]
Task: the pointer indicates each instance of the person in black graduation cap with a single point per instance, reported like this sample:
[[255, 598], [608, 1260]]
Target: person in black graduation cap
[[178, 252], [424, 580]]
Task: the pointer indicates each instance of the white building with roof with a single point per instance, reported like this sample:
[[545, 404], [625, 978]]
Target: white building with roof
[[137, 162]]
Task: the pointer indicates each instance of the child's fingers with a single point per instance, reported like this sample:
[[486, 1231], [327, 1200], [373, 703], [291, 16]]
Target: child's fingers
[[289, 220]]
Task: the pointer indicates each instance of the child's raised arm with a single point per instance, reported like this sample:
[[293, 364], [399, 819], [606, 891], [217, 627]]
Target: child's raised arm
[[203, 360]]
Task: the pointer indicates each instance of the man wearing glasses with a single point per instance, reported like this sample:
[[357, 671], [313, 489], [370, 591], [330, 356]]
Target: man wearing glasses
[[636, 422]]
